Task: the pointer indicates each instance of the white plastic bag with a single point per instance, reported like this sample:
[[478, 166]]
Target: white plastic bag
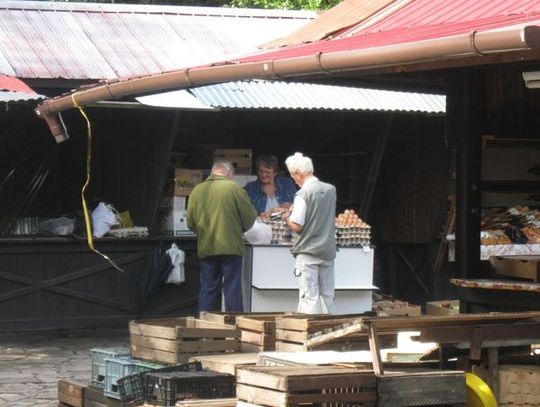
[[103, 218], [260, 233], [177, 274], [58, 226]]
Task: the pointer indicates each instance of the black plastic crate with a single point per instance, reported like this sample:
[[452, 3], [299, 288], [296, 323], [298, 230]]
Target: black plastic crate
[[167, 388], [132, 387]]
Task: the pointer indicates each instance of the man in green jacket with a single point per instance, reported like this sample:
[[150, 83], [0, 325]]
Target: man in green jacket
[[220, 211]]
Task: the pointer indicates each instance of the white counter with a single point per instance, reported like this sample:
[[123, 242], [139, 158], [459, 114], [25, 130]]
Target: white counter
[[269, 284]]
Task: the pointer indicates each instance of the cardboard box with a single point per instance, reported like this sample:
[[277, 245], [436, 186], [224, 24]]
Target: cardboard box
[[447, 307], [516, 267], [185, 180], [241, 159]]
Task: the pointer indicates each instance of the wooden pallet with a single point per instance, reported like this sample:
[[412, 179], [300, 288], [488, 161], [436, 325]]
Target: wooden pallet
[[312, 385], [175, 340]]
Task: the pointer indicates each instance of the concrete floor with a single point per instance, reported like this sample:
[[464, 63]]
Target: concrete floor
[[31, 363]]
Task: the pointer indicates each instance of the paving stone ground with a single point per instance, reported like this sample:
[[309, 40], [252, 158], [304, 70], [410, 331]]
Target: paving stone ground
[[31, 363]]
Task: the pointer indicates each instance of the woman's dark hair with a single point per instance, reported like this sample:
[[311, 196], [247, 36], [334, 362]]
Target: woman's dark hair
[[269, 160]]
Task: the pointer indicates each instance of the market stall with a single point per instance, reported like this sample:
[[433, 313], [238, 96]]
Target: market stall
[[269, 282]]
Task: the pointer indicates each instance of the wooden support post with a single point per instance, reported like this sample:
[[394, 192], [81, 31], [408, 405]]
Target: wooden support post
[[476, 344], [493, 366], [464, 116]]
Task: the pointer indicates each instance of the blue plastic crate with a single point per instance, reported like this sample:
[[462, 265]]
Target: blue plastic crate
[[98, 362], [116, 368]]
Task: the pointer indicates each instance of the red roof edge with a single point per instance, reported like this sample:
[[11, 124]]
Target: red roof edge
[[13, 84]]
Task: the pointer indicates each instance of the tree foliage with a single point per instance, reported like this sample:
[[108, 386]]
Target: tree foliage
[[266, 4]]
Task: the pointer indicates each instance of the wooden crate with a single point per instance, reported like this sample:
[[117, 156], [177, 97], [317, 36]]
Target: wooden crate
[[227, 318], [71, 393], [292, 333], [258, 330], [175, 340], [311, 385]]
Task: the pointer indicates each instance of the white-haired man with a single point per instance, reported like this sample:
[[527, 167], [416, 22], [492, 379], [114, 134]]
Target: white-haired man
[[314, 249], [220, 211]]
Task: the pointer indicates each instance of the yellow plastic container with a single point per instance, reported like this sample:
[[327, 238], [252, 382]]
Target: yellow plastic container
[[478, 392]]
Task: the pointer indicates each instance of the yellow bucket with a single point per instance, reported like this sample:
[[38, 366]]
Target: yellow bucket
[[478, 392]]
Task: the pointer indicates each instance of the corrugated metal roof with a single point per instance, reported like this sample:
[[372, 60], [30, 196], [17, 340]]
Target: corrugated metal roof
[[107, 41], [6, 96], [15, 90], [345, 14], [395, 36], [13, 84], [419, 13], [259, 94]]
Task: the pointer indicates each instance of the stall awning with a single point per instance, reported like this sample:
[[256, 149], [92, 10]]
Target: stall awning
[[263, 94]]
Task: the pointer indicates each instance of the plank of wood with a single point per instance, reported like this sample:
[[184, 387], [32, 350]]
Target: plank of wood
[[93, 394], [246, 347], [228, 402], [354, 327], [228, 318], [201, 323], [226, 363], [156, 355], [289, 347], [274, 398], [265, 324], [257, 395], [71, 393], [302, 378], [258, 338], [313, 323], [199, 332], [185, 346], [154, 329], [215, 345]]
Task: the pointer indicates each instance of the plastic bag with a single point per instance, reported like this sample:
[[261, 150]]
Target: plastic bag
[[260, 233], [177, 274], [103, 218], [58, 226]]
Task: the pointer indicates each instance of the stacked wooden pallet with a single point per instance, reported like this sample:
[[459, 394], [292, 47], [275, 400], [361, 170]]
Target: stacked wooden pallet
[[175, 340], [294, 332], [302, 385], [258, 329]]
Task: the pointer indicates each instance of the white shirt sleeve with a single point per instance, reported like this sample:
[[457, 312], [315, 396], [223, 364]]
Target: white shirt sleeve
[[298, 214]]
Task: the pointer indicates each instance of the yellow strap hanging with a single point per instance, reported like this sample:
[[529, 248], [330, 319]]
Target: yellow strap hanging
[[89, 235]]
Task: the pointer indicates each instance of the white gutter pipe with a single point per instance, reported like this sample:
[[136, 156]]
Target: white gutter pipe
[[470, 44]]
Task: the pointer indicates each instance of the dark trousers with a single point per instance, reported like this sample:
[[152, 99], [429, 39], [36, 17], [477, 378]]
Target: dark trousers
[[217, 272]]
